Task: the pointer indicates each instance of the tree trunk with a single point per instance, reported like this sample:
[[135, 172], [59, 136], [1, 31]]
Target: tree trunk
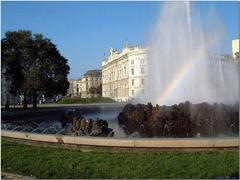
[[34, 96], [25, 100], [7, 106], [7, 103], [14, 102]]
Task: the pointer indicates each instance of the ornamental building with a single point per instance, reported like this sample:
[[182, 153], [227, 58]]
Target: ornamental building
[[124, 73], [236, 48], [87, 86]]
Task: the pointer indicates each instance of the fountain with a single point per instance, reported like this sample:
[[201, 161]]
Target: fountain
[[164, 130], [180, 70], [142, 130], [182, 120], [181, 62], [186, 64]]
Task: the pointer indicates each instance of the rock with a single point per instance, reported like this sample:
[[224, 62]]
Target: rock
[[82, 126], [182, 120]]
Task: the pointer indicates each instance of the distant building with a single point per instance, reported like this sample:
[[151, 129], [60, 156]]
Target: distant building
[[124, 73], [218, 59], [72, 84], [89, 85], [235, 48]]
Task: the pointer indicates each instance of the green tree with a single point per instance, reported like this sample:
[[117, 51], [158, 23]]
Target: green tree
[[16, 47], [92, 90], [48, 71], [99, 90], [38, 67]]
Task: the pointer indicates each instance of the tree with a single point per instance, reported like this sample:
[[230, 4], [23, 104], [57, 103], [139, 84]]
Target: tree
[[99, 90], [92, 90], [15, 60], [48, 71], [35, 67]]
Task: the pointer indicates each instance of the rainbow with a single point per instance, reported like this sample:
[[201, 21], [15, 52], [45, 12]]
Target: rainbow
[[178, 76]]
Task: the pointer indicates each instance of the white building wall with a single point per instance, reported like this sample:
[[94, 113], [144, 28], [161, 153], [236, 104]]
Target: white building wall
[[235, 47], [117, 73], [137, 73]]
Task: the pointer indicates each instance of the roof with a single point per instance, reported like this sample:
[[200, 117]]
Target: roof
[[95, 72]]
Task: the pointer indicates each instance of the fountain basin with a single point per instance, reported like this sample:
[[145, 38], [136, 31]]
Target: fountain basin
[[47, 121], [119, 144]]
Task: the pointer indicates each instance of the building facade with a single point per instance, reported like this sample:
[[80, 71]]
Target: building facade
[[235, 48], [71, 90], [124, 73], [91, 84], [87, 86]]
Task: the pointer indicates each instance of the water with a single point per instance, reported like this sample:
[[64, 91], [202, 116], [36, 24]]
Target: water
[[180, 67], [53, 125], [44, 126]]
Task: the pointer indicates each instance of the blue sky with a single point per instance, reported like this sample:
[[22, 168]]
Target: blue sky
[[84, 31]]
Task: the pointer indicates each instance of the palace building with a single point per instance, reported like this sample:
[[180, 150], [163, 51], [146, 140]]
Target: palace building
[[235, 48], [87, 86], [124, 73]]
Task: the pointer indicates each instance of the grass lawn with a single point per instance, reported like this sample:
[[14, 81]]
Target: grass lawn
[[44, 162], [85, 100]]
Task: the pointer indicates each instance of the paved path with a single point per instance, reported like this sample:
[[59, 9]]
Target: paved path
[[47, 107], [89, 104], [5, 175], [67, 105]]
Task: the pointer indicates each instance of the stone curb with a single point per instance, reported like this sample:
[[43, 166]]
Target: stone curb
[[227, 142]]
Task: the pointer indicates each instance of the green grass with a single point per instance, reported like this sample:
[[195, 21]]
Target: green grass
[[85, 100], [45, 162]]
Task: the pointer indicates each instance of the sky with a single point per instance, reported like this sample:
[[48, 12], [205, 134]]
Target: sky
[[85, 31]]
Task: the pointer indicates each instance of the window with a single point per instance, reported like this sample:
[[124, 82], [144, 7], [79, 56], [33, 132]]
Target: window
[[142, 91], [132, 71], [142, 81], [132, 82], [142, 61], [132, 61], [132, 92], [125, 69], [142, 70]]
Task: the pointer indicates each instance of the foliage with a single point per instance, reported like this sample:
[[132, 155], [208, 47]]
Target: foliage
[[96, 90], [33, 65], [45, 162], [16, 48], [92, 90], [99, 89], [85, 100]]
